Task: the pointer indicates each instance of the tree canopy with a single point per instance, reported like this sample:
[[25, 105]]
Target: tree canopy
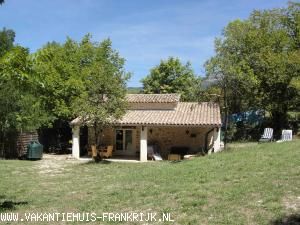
[[171, 76], [103, 98], [59, 82], [257, 62], [78, 76], [60, 69], [7, 38], [21, 108]]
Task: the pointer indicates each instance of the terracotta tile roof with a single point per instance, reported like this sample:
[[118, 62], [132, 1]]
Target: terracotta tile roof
[[181, 114], [152, 98], [185, 114]]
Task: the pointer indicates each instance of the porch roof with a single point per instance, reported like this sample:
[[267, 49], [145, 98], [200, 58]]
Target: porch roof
[[185, 114], [153, 98]]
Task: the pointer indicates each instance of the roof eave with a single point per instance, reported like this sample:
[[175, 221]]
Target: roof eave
[[167, 125]]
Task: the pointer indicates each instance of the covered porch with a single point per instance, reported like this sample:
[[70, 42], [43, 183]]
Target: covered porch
[[157, 123], [132, 142]]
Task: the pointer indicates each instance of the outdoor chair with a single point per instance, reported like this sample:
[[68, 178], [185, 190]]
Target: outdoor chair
[[267, 136], [287, 135], [94, 151], [150, 152], [107, 152], [89, 151]]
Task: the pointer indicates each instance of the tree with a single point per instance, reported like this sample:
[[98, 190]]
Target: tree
[[103, 99], [256, 62], [171, 76], [59, 82], [7, 38], [85, 79], [60, 69], [21, 109]]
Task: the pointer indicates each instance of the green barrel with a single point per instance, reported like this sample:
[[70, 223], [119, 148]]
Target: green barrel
[[34, 150]]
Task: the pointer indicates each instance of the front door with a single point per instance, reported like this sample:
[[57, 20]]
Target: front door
[[124, 141]]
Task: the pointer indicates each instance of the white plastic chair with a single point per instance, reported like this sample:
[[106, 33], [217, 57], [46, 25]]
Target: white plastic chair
[[267, 136], [287, 135]]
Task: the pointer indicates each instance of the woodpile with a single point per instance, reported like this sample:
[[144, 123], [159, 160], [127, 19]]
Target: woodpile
[[23, 140]]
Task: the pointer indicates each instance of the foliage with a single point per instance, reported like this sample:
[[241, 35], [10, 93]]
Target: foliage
[[59, 68], [59, 82], [171, 76], [7, 38], [257, 63], [83, 78], [134, 90], [211, 93], [103, 99], [20, 107]]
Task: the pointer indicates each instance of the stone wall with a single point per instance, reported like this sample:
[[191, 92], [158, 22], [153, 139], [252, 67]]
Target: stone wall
[[165, 137], [160, 106], [106, 136], [168, 137]]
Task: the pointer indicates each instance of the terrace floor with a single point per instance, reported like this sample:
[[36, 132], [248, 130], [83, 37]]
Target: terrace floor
[[115, 158]]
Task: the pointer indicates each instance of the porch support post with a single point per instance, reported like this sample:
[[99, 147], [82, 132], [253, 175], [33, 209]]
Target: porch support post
[[75, 142], [217, 139], [143, 144]]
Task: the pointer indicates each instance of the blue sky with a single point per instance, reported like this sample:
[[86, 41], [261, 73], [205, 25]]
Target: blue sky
[[143, 31]]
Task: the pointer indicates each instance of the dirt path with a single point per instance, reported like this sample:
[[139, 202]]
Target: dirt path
[[54, 164]]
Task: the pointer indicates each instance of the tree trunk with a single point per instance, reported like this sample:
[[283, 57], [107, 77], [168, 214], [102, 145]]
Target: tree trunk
[[226, 117], [279, 122], [1, 144], [96, 140]]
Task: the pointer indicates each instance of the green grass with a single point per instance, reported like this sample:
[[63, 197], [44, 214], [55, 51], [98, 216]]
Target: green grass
[[251, 184]]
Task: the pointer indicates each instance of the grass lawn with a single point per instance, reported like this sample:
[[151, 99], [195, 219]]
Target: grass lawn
[[252, 184]]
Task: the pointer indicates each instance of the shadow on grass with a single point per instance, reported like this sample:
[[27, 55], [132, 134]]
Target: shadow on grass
[[2, 196], [293, 219], [176, 161], [10, 205], [97, 162]]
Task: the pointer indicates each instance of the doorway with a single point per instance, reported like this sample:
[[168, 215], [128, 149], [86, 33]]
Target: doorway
[[124, 141]]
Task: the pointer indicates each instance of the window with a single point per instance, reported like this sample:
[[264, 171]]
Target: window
[[124, 139]]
